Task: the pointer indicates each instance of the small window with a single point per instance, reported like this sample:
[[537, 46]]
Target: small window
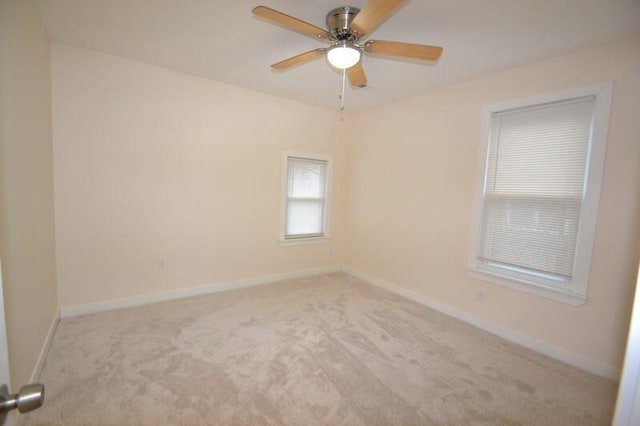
[[537, 204], [305, 189]]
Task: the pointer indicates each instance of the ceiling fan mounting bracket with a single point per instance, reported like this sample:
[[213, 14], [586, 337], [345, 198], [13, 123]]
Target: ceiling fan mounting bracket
[[339, 22]]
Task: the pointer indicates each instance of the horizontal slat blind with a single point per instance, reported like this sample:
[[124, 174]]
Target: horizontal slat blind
[[306, 197], [534, 186]]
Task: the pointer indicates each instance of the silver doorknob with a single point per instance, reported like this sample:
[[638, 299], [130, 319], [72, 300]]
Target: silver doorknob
[[29, 398]]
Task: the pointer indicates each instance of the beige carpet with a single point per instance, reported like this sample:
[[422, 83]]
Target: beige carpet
[[324, 350]]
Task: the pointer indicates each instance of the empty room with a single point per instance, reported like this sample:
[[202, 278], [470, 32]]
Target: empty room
[[385, 212]]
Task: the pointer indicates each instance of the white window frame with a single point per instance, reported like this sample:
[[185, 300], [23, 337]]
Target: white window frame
[[288, 241], [577, 291]]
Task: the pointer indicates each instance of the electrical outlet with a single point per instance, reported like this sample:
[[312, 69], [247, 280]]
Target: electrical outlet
[[161, 264], [480, 296]]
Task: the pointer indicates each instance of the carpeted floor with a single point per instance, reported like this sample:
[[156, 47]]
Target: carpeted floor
[[323, 350]]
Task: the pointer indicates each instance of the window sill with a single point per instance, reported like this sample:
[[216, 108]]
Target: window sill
[[557, 294], [302, 241]]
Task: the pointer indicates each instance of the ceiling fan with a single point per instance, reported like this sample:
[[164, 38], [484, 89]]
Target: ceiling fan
[[346, 27]]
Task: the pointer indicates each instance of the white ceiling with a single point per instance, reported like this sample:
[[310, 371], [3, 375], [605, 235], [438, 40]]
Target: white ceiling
[[222, 41]]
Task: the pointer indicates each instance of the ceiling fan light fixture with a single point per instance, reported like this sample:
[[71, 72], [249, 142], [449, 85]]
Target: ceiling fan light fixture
[[343, 55]]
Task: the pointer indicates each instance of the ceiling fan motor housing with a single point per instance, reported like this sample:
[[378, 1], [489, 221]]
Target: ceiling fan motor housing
[[339, 21]]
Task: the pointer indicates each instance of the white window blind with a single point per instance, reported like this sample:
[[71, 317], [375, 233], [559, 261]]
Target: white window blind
[[534, 188], [306, 197]]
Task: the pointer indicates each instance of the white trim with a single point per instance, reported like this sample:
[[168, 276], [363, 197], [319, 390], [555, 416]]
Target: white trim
[[628, 403], [37, 369], [302, 241], [286, 154], [113, 304], [593, 182], [5, 367], [552, 351], [577, 293], [553, 293]]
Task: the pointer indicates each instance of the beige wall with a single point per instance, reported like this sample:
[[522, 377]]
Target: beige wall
[[26, 185], [153, 164], [413, 168], [150, 164]]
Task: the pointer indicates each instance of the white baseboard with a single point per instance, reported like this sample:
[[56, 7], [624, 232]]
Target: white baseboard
[[545, 348], [35, 374], [108, 305]]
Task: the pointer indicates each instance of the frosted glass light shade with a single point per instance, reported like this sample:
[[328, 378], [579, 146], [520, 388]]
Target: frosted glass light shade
[[343, 56]]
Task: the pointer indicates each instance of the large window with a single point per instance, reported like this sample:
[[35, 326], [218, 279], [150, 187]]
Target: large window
[[305, 196], [542, 166]]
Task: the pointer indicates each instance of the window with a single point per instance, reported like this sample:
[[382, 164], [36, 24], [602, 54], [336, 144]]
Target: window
[[538, 195], [305, 197]]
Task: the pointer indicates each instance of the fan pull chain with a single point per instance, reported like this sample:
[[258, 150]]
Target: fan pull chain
[[341, 96]]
